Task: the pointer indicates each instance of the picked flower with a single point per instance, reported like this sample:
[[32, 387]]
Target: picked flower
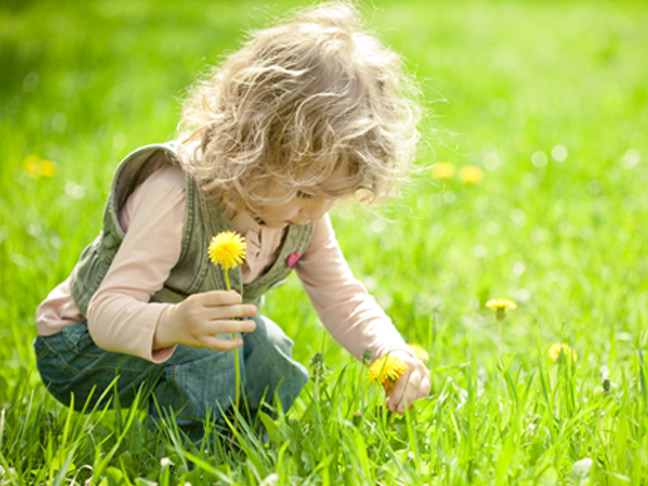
[[419, 352], [443, 170], [501, 306], [471, 174], [386, 370], [558, 349], [227, 249]]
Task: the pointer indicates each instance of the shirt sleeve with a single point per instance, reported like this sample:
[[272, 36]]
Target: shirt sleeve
[[349, 313], [120, 316]]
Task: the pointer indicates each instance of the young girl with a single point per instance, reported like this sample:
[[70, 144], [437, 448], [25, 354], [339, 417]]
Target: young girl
[[304, 115]]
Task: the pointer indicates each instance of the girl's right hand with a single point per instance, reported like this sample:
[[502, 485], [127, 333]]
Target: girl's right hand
[[197, 320]]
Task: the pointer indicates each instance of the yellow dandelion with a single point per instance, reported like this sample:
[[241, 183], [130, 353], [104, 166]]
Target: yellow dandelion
[[443, 170], [386, 370], [32, 166], [471, 174], [47, 168], [227, 249], [35, 167], [419, 352], [564, 349], [501, 304]]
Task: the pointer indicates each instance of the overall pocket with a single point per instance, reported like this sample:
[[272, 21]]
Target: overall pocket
[[66, 353], [77, 338]]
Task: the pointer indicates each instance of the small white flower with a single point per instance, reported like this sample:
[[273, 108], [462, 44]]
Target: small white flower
[[581, 469], [270, 480]]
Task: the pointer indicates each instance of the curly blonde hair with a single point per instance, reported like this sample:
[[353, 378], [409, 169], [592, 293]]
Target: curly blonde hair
[[295, 103]]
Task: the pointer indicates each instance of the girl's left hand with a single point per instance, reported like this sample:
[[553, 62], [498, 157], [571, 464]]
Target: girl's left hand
[[413, 384]]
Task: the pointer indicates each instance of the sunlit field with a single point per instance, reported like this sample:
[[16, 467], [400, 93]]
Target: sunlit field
[[530, 185]]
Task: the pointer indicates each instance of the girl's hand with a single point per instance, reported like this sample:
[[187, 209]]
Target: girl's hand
[[197, 320], [413, 384]]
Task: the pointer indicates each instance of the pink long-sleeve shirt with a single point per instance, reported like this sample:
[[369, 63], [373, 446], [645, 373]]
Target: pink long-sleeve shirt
[[121, 318]]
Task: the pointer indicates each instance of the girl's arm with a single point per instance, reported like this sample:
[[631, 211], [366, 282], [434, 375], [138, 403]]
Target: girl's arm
[[120, 316], [352, 316], [343, 304]]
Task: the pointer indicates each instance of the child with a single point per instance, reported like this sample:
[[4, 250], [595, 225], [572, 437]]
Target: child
[[304, 115]]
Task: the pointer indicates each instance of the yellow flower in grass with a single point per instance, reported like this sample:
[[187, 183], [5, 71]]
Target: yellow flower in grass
[[32, 166], [386, 370], [36, 167], [500, 306], [227, 249], [470, 174], [443, 170], [47, 168], [564, 349], [419, 352]]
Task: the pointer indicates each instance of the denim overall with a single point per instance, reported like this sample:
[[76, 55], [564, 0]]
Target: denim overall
[[196, 383]]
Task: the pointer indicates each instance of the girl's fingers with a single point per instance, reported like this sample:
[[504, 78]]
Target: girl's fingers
[[224, 304], [409, 387], [221, 344], [231, 311], [228, 327], [395, 399], [215, 298]]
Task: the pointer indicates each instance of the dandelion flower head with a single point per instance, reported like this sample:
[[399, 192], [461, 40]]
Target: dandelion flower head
[[470, 174], [501, 304], [443, 170], [419, 352], [227, 249], [386, 370], [557, 349], [35, 167], [47, 168]]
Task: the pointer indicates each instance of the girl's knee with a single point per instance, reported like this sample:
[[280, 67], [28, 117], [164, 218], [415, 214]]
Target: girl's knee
[[268, 354], [268, 335]]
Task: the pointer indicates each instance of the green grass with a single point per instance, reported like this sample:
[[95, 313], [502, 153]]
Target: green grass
[[504, 83]]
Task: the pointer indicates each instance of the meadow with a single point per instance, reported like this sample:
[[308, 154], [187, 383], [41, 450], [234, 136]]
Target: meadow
[[538, 112]]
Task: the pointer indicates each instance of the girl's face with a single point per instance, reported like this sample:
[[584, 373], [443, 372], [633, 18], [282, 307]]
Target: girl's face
[[307, 205], [303, 208]]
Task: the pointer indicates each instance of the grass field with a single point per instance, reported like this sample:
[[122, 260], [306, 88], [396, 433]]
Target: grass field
[[548, 99]]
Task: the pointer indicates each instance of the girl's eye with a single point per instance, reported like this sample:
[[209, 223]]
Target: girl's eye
[[304, 195]]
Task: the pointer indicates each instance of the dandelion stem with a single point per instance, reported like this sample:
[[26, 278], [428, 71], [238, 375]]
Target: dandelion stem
[[227, 282], [237, 385]]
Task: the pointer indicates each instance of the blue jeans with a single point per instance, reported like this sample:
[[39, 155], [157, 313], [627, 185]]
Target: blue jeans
[[194, 383]]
